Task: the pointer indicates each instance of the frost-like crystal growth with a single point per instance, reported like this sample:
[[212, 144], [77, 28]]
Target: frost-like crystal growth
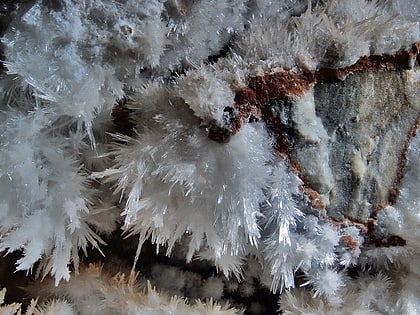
[[194, 125], [334, 35], [44, 196], [206, 94], [177, 180]]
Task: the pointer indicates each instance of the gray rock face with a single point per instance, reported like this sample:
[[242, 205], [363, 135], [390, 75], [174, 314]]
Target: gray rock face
[[349, 138]]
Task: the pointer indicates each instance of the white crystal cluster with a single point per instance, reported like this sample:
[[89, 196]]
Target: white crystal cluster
[[67, 175], [392, 287]]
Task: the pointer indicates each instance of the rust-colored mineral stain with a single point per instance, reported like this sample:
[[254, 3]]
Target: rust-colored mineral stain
[[401, 60], [394, 192], [245, 96], [314, 198], [262, 89], [280, 85], [348, 241]]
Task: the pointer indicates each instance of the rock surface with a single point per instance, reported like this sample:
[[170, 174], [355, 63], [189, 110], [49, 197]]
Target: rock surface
[[349, 138], [259, 149]]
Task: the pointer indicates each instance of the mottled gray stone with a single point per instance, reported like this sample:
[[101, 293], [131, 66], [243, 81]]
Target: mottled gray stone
[[348, 138]]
